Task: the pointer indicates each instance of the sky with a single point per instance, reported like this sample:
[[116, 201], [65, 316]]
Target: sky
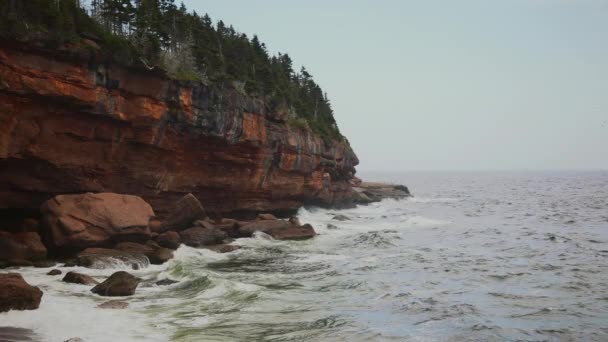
[[449, 85]]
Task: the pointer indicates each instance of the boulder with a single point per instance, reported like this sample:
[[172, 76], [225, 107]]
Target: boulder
[[101, 257], [79, 278], [16, 294], [155, 225], [198, 236], [21, 246], [295, 221], [266, 217], [120, 283], [30, 225], [204, 224], [93, 220], [169, 240], [54, 272], [156, 254], [187, 210], [230, 229], [293, 233], [281, 230]]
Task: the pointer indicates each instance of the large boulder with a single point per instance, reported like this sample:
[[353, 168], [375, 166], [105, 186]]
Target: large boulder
[[199, 236], [93, 220], [187, 210], [79, 278], [169, 240], [21, 246], [16, 294], [279, 229], [104, 257], [156, 254], [119, 283]]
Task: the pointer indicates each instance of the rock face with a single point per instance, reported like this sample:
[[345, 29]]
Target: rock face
[[120, 283], [21, 246], [71, 125], [91, 220], [16, 294]]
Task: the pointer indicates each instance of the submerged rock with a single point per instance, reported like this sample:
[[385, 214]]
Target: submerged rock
[[223, 248], [113, 304], [16, 294], [120, 283], [166, 282], [79, 278], [156, 254], [54, 272], [341, 217], [90, 220]]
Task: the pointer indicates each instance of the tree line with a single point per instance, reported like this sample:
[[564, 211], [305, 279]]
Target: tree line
[[186, 45]]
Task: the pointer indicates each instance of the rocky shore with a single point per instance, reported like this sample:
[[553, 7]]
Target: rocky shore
[[95, 230]]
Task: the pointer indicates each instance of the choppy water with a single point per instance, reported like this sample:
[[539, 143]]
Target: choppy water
[[473, 257]]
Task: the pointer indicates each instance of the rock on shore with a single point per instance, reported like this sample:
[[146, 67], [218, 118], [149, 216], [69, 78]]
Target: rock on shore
[[16, 294]]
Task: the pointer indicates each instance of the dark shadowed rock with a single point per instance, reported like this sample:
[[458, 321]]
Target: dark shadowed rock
[[30, 225], [223, 248], [90, 220], [54, 272], [79, 278], [266, 217], [187, 210], [166, 282], [16, 294], [198, 236], [120, 283], [113, 304], [204, 224], [10, 334], [21, 246], [169, 240], [230, 229]]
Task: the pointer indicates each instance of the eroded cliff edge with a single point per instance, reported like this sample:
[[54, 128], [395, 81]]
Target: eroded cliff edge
[[74, 125]]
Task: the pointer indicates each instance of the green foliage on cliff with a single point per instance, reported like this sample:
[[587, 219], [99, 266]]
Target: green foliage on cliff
[[187, 46]]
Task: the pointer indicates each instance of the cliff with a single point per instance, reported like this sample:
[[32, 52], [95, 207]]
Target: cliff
[[74, 125]]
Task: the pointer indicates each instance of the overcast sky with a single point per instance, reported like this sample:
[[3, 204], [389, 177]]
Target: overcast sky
[[449, 85]]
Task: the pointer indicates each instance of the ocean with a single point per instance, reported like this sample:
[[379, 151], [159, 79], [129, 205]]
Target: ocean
[[473, 256]]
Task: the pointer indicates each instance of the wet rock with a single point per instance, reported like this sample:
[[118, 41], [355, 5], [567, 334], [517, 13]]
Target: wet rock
[[54, 272], [155, 225], [230, 229], [198, 236], [166, 282], [187, 210], [331, 226], [89, 220], [120, 283], [169, 240], [16, 294], [113, 304], [281, 230], [341, 217], [223, 248], [10, 334], [30, 225], [266, 217], [79, 278], [44, 264], [295, 221], [156, 254], [21, 246], [100, 257], [74, 339]]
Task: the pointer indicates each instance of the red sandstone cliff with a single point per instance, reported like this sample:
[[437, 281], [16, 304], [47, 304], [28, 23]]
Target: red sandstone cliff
[[68, 125]]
